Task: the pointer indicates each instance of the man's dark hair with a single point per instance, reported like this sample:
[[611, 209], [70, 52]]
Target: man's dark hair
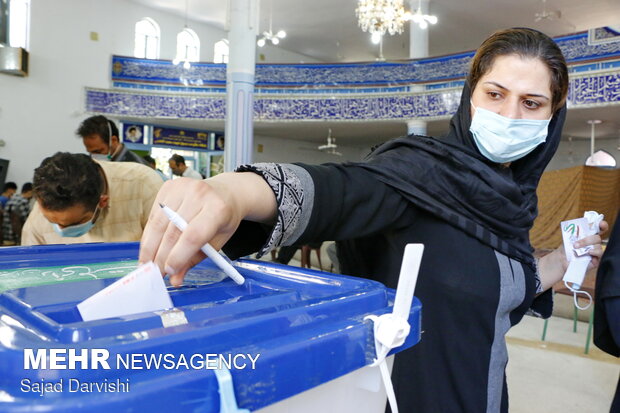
[[9, 185], [66, 179], [178, 159], [99, 125], [27, 187], [149, 159]]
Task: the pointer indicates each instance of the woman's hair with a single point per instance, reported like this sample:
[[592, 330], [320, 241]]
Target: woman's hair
[[525, 43], [65, 180]]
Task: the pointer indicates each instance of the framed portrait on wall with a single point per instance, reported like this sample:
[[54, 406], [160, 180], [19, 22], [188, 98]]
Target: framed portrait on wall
[[219, 142], [133, 133]]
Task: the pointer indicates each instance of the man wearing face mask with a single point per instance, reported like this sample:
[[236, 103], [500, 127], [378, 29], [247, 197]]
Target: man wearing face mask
[[100, 138], [80, 200], [179, 168]]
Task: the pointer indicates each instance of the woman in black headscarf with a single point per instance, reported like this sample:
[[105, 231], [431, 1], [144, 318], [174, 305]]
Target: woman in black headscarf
[[469, 197]]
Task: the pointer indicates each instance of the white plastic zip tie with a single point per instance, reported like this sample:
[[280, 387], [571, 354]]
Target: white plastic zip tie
[[392, 329], [576, 294]]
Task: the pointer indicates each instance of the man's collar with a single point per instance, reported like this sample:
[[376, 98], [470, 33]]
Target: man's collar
[[119, 153]]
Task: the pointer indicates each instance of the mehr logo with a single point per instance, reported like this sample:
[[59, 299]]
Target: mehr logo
[[63, 359], [97, 358]]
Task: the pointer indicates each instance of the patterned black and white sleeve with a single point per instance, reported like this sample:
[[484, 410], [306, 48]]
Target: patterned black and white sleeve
[[294, 191], [542, 306]]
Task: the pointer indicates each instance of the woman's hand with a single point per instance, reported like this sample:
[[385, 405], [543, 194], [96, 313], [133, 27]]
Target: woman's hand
[[551, 267], [212, 208], [597, 241]]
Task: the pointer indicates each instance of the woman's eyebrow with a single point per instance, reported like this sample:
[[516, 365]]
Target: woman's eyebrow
[[495, 84], [537, 95]]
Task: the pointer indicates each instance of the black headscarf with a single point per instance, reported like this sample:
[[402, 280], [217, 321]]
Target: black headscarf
[[449, 178]]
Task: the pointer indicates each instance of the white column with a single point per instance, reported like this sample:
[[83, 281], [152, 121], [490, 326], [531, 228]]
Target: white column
[[418, 38], [242, 30], [418, 48]]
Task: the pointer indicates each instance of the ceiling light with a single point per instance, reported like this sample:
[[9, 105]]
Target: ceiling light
[[422, 20], [269, 35], [183, 55], [381, 16], [547, 15], [389, 16], [273, 38]]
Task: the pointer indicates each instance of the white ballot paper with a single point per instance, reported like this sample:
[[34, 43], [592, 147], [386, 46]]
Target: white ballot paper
[[139, 291]]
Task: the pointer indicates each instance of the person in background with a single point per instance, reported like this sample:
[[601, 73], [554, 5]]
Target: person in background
[[15, 213], [151, 162], [178, 167], [469, 196], [100, 138], [607, 303], [7, 192], [81, 200]]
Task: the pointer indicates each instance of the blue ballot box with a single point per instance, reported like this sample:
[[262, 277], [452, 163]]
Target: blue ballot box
[[283, 332]]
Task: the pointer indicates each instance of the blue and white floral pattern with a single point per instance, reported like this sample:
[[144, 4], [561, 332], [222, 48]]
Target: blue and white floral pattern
[[595, 89], [145, 72], [348, 108], [414, 89], [600, 88]]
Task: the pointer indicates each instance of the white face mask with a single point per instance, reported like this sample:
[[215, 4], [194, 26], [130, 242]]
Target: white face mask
[[101, 156], [76, 230], [501, 139]]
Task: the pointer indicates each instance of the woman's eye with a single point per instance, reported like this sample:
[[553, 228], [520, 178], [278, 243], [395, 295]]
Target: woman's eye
[[531, 104], [494, 95]]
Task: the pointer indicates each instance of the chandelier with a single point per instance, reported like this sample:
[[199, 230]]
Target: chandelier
[[378, 17], [381, 16], [269, 35]]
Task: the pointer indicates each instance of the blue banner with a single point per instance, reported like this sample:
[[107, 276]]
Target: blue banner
[[180, 137]]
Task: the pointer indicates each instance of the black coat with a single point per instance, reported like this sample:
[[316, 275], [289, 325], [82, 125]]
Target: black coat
[[607, 303]]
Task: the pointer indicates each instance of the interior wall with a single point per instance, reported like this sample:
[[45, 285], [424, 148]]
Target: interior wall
[[288, 151], [575, 152], [277, 54], [40, 113], [569, 154]]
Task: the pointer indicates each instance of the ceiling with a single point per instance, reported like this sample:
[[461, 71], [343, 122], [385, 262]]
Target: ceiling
[[327, 30]]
